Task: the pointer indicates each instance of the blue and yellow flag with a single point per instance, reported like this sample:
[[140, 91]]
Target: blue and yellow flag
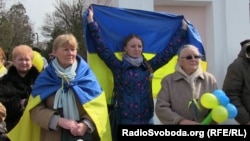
[[87, 90], [155, 28]]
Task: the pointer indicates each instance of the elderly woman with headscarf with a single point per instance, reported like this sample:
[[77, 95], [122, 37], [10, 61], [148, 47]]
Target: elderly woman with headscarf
[[178, 101]]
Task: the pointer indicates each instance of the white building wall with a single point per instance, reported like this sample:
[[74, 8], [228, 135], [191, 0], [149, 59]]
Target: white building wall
[[136, 4], [226, 29]]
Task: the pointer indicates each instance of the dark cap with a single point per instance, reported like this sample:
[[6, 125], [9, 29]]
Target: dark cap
[[244, 42]]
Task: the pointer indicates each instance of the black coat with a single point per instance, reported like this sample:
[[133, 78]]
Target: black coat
[[13, 88], [3, 132], [236, 84]]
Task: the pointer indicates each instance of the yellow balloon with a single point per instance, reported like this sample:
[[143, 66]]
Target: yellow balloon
[[209, 100], [38, 61], [219, 114]]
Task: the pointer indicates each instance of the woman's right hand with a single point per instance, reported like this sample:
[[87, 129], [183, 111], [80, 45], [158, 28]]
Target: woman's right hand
[[184, 24], [90, 15], [67, 123]]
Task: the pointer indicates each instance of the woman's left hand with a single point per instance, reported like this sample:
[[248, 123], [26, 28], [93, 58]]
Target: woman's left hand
[[79, 130]]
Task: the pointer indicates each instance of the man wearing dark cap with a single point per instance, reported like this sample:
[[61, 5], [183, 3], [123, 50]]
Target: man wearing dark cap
[[245, 42], [237, 83]]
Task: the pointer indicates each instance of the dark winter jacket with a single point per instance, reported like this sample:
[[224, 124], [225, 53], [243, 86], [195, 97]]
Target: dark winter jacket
[[13, 89], [237, 84], [132, 85], [3, 132]]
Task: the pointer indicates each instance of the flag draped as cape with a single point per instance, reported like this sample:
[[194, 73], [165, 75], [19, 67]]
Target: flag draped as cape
[[87, 90], [155, 28]]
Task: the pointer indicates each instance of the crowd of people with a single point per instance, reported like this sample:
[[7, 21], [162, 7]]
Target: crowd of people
[[60, 99]]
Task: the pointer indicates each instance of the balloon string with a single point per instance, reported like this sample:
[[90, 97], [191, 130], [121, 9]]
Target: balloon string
[[207, 120], [195, 106]]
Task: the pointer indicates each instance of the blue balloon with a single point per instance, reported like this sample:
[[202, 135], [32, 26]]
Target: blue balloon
[[219, 92], [221, 97], [232, 111]]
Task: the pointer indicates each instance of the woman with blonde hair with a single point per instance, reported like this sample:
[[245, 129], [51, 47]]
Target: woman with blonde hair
[[3, 129], [3, 69]]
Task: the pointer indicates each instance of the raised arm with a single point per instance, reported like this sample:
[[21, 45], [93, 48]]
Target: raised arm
[[171, 48], [104, 52]]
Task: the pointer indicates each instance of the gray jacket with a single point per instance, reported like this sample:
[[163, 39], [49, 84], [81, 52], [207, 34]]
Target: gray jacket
[[176, 93]]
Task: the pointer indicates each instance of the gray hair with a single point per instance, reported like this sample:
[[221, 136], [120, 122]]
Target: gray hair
[[186, 46]]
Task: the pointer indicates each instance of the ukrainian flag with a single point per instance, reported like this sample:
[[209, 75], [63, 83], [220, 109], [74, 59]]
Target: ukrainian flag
[[155, 28], [87, 90]]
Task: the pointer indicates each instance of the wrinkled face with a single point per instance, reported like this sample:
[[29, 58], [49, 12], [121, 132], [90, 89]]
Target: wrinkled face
[[134, 48], [23, 63], [66, 55], [189, 60]]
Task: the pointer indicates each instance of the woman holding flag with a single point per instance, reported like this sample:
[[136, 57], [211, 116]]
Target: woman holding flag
[[133, 74]]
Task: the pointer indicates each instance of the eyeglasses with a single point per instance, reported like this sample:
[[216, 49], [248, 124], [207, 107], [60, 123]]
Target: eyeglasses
[[190, 57]]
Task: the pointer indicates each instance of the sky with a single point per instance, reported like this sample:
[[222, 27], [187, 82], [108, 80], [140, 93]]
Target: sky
[[36, 10]]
